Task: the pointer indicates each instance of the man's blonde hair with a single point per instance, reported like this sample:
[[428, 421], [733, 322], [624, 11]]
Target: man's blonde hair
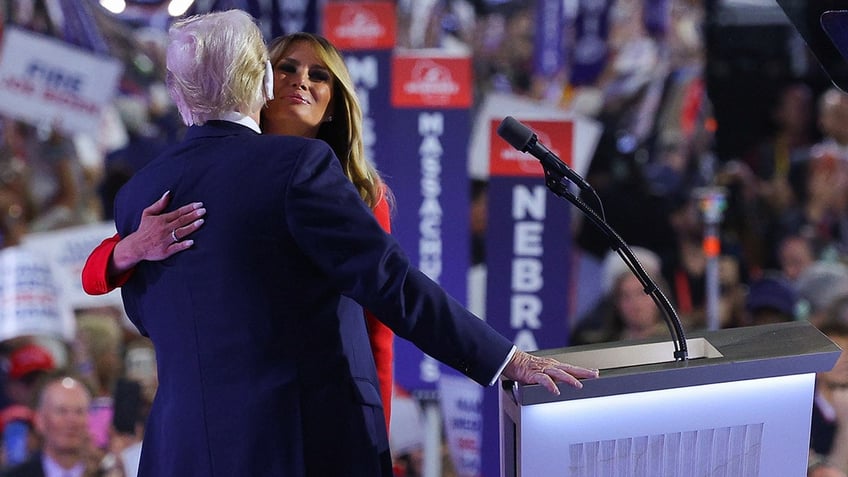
[[216, 64]]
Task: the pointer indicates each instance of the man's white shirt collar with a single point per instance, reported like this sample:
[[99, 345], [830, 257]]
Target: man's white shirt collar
[[53, 469], [238, 118]]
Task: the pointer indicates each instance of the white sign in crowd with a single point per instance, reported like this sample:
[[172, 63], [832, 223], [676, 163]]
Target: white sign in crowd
[[40, 284], [46, 82]]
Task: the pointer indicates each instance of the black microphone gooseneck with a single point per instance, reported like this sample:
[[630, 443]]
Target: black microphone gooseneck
[[557, 172]]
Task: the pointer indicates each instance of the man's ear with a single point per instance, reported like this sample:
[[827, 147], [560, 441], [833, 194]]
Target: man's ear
[[268, 81]]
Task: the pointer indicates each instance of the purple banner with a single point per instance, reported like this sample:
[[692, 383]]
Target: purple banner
[[427, 174], [528, 247], [80, 27], [280, 17], [549, 55], [370, 70], [528, 256], [590, 51], [656, 16]]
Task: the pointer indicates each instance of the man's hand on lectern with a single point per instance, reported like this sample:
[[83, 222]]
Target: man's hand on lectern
[[528, 369]]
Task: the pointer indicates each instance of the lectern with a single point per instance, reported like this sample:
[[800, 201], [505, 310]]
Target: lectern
[[739, 407]]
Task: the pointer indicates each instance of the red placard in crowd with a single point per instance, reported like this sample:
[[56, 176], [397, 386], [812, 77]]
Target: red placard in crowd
[[360, 25], [431, 81], [505, 160]]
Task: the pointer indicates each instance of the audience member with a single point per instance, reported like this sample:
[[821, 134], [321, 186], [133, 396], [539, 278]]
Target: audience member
[[732, 291], [687, 268], [822, 210], [769, 189], [132, 400], [833, 123], [625, 311], [820, 182], [829, 426], [791, 123], [407, 434], [823, 468], [100, 338], [53, 174], [28, 364], [770, 299], [794, 253], [61, 420], [13, 220], [145, 141], [140, 366], [819, 287]]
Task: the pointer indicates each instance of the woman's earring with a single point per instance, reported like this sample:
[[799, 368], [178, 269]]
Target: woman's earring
[[329, 119]]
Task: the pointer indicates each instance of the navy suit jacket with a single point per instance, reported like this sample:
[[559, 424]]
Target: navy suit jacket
[[263, 355]]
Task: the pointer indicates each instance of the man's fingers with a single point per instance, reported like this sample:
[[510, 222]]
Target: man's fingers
[[577, 371], [545, 381], [564, 373], [546, 371], [558, 374]]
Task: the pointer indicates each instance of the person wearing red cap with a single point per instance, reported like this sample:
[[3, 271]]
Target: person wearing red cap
[[27, 364]]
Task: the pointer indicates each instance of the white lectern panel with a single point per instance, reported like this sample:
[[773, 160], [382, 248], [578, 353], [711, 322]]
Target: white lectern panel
[[750, 428]]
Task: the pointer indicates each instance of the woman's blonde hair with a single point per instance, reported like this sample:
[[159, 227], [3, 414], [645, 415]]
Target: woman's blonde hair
[[216, 64], [344, 132]]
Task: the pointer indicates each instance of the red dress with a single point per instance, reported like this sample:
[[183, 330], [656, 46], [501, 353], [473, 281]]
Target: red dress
[[95, 281]]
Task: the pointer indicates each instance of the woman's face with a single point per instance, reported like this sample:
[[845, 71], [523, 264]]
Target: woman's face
[[637, 309], [303, 93]]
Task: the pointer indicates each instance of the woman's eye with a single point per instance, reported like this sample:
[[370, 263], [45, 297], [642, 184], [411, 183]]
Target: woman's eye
[[319, 75], [287, 68]]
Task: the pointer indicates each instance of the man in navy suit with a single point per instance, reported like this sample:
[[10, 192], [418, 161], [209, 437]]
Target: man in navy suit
[[264, 362]]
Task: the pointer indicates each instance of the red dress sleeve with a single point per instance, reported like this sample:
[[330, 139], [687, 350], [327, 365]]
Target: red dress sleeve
[[95, 273], [380, 335]]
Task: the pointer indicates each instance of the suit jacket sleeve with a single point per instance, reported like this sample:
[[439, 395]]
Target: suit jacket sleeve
[[333, 226], [95, 273], [380, 335]]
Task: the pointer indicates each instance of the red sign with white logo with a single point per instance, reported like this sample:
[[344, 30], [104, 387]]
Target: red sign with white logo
[[505, 160], [360, 25], [431, 81]]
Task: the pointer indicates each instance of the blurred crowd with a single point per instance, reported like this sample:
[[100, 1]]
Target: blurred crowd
[[783, 230]]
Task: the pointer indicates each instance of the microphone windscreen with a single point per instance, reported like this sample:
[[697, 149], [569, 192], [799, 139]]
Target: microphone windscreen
[[515, 133]]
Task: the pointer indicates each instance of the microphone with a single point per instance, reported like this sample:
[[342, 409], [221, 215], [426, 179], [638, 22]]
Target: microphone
[[522, 138]]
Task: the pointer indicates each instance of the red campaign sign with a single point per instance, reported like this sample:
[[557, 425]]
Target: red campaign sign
[[360, 25], [431, 81], [505, 160]]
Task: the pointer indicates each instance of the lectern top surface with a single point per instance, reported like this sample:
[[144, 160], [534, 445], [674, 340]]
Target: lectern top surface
[[715, 356]]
